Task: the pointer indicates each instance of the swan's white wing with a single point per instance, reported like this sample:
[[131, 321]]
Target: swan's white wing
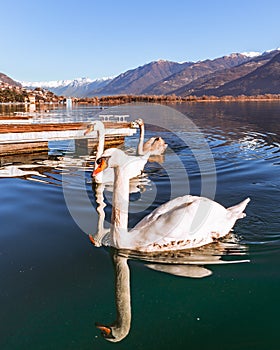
[[165, 208], [184, 222], [135, 165]]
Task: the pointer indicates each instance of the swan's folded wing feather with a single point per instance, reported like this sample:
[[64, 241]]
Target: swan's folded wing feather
[[165, 208], [184, 222]]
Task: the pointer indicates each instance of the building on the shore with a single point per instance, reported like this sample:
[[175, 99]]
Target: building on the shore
[[32, 98]]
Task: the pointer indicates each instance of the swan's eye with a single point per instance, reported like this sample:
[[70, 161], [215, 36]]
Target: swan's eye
[[99, 161]]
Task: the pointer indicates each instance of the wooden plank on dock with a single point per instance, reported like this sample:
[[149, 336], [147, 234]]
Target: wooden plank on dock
[[14, 117], [54, 131], [20, 148], [22, 128], [31, 137]]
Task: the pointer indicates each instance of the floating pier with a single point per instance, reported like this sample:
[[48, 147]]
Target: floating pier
[[22, 137]]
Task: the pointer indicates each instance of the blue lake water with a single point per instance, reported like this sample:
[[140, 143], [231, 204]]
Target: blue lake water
[[55, 285]]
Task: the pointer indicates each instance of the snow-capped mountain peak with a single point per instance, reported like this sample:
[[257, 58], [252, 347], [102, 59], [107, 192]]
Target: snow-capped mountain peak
[[55, 83], [251, 54], [78, 87]]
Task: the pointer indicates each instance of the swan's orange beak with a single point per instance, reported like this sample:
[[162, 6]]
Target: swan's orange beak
[[134, 125], [91, 239], [88, 130], [105, 330], [102, 164]]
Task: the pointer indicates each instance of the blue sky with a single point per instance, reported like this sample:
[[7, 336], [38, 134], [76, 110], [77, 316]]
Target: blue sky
[[59, 39]]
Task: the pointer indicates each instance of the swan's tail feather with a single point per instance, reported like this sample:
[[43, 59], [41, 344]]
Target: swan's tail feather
[[237, 210]]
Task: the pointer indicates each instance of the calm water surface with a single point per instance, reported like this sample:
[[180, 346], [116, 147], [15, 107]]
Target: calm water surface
[[55, 284]]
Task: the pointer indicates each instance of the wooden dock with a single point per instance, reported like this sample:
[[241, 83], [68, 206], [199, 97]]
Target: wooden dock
[[14, 117], [19, 138]]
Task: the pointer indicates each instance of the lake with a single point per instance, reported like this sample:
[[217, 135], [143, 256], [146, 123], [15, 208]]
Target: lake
[[55, 285]]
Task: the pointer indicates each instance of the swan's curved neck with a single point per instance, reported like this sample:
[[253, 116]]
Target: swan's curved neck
[[101, 143], [121, 326], [119, 218], [140, 150]]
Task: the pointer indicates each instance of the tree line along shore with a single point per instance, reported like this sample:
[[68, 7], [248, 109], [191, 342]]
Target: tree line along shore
[[45, 96], [122, 99]]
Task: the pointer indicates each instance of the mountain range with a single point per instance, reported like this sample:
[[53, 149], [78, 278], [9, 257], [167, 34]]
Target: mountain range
[[234, 74], [80, 87], [9, 81], [245, 78]]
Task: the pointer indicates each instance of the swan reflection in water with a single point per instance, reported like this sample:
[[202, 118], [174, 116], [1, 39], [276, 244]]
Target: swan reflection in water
[[188, 263], [102, 235], [192, 263], [119, 329]]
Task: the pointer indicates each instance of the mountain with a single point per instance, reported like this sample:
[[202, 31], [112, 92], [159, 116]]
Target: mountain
[[195, 71], [210, 83], [235, 74], [12, 91], [263, 80], [7, 80], [135, 81], [80, 87]]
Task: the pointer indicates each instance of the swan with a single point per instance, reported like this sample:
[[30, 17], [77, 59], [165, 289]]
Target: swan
[[181, 223], [98, 126], [107, 176], [155, 145]]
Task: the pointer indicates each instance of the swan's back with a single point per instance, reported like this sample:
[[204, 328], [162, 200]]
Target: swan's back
[[185, 222], [155, 145]]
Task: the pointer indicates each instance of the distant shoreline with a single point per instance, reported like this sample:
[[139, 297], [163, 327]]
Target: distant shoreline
[[163, 99], [121, 99]]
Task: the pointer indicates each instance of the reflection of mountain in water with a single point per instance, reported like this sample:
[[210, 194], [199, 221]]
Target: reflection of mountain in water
[[234, 117], [238, 128]]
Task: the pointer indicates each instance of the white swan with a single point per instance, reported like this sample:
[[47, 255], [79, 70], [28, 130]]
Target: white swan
[[107, 176], [182, 223], [98, 126], [155, 145]]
